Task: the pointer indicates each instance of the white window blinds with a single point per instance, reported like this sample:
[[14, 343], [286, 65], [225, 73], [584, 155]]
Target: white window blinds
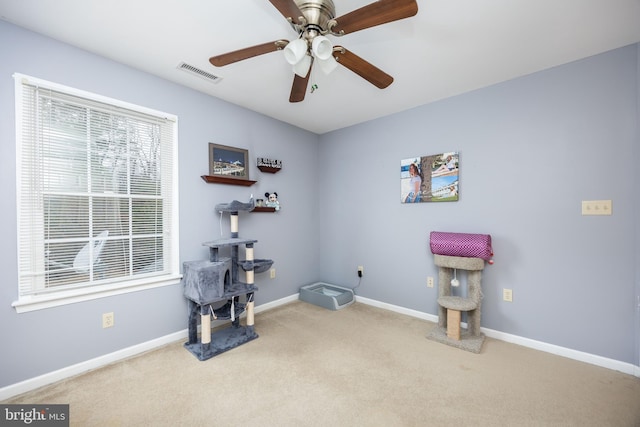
[[97, 191]]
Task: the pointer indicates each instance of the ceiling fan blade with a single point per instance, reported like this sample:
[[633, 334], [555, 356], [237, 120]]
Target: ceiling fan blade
[[288, 9], [376, 13], [299, 88], [364, 69], [246, 53]]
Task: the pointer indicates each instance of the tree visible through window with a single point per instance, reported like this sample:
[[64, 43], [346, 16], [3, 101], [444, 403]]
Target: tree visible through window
[[96, 190]]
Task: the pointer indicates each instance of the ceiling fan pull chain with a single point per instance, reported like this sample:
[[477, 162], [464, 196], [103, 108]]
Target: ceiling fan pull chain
[[312, 74]]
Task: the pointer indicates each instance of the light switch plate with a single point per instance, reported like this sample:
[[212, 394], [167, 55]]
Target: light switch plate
[[596, 207]]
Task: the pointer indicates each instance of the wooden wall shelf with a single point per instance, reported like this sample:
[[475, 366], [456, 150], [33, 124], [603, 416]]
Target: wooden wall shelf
[[225, 180], [269, 169], [263, 209]]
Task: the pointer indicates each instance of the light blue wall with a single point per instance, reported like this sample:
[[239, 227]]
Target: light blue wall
[[531, 150], [44, 341]]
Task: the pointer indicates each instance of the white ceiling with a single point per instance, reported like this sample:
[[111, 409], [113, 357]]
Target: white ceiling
[[448, 48]]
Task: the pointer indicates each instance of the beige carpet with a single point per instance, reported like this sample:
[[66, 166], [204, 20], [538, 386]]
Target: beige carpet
[[360, 366]]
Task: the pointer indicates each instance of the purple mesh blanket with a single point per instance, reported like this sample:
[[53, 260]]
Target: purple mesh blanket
[[462, 245]]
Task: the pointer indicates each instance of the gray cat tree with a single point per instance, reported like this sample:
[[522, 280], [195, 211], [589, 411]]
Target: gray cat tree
[[450, 307], [213, 290]]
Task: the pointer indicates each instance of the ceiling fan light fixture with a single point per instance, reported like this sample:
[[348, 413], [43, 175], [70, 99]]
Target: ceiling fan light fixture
[[322, 47], [303, 66], [295, 51], [328, 65]]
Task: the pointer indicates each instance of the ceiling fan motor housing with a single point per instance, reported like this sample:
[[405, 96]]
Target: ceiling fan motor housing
[[317, 14]]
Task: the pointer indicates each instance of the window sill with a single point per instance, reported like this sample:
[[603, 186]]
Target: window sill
[[41, 302]]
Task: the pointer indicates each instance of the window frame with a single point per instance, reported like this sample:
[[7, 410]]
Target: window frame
[[172, 276]]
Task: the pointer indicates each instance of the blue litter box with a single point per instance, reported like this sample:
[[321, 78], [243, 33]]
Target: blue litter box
[[328, 296]]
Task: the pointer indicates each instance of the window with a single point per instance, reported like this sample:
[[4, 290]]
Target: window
[[97, 195]]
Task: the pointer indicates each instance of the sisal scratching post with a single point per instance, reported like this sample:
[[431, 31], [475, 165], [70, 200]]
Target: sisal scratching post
[[249, 257], [205, 328], [453, 324], [250, 318], [250, 278]]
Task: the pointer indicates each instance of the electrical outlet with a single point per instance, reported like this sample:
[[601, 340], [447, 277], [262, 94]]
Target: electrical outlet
[[272, 273], [360, 271], [107, 320], [507, 295], [429, 282]]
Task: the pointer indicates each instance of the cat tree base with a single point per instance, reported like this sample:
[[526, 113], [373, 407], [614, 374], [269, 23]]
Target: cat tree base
[[467, 341], [221, 341]]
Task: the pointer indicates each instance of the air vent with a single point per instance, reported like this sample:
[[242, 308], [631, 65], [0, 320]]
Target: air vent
[[198, 72]]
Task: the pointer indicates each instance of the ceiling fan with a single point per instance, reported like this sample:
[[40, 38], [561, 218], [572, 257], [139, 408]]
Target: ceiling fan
[[313, 20]]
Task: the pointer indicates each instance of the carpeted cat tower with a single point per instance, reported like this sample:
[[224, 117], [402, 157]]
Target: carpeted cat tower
[[452, 252]]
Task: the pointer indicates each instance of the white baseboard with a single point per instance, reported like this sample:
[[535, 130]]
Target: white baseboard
[[98, 362], [398, 309], [276, 303], [88, 365], [581, 356], [592, 359]]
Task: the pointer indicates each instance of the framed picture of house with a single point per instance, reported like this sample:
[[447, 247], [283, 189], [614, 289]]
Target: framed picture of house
[[228, 162], [433, 178]]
